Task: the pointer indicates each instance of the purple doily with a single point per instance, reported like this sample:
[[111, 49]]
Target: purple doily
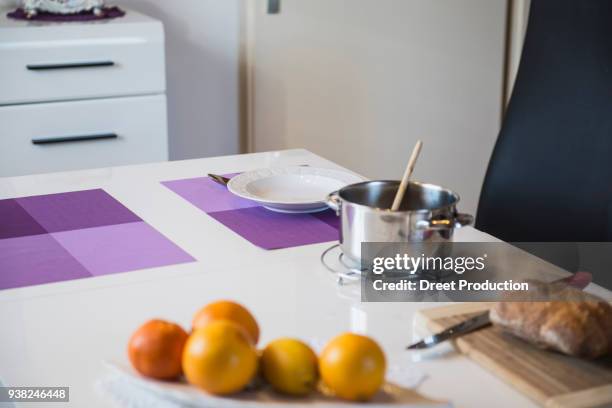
[[109, 12]]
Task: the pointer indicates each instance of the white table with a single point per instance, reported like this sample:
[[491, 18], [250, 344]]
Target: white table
[[58, 334]]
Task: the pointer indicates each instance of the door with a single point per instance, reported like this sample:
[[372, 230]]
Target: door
[[359, 81]]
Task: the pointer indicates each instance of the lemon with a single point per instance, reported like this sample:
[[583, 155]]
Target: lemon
[[289, 366]]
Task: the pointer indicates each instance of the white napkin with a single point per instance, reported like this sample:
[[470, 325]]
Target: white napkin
[[127, 395], [128, 390]]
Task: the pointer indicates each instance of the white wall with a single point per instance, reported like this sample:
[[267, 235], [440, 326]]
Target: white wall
[[202, 46], [359, 81], [519, 15]]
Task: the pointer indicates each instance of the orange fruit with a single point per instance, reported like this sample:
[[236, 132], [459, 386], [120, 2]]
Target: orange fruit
[[228, 310], [219, 358], [352, 367], [289, 366], [155, 349]]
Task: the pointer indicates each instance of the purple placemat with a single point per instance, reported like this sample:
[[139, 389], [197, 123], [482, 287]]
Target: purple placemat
[[80, 234], [264, 228], [108, 12]]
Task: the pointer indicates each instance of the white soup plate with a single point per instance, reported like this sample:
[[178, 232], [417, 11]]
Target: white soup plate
[[293, 189]]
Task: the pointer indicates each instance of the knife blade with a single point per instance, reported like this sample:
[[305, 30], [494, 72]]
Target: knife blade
[[467, 326], [219, 179], [578, 280]]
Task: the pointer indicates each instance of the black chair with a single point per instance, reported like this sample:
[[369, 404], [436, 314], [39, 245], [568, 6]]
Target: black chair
[[550, 175]]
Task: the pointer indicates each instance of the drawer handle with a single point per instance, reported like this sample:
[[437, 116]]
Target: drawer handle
[[69, 65], [77, 138]]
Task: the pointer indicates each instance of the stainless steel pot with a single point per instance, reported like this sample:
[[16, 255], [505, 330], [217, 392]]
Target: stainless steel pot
[[427, 214]]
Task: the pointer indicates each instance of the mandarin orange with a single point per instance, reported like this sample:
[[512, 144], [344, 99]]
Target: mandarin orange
[[155, 349]]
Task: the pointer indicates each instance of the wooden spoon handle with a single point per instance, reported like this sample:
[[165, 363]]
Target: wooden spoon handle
[[399, 196]]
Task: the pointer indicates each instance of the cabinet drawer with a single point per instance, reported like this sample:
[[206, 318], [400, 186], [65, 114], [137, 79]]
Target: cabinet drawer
[[60, 63], [47, 137]]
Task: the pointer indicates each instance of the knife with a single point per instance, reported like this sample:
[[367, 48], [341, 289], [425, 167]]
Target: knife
[[467, 326], [578, 280], [219, 179]]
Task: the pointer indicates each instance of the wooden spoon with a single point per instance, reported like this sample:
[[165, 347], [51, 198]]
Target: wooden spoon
[[399, 196]]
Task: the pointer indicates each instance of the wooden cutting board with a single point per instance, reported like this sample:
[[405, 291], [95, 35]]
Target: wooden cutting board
[[551, 379]]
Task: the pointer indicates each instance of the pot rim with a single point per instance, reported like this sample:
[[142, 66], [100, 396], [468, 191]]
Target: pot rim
[[404, 212]]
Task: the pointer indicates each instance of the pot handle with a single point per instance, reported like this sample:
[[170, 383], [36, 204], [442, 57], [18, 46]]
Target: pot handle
[[458, 221], [333, 201]]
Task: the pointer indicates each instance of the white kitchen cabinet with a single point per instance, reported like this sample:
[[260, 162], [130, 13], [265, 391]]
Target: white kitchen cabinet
[[359, 81], [81, 94], [56, 136]]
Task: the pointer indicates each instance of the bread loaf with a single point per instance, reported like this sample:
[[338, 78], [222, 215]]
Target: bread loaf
[[573, 322]]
